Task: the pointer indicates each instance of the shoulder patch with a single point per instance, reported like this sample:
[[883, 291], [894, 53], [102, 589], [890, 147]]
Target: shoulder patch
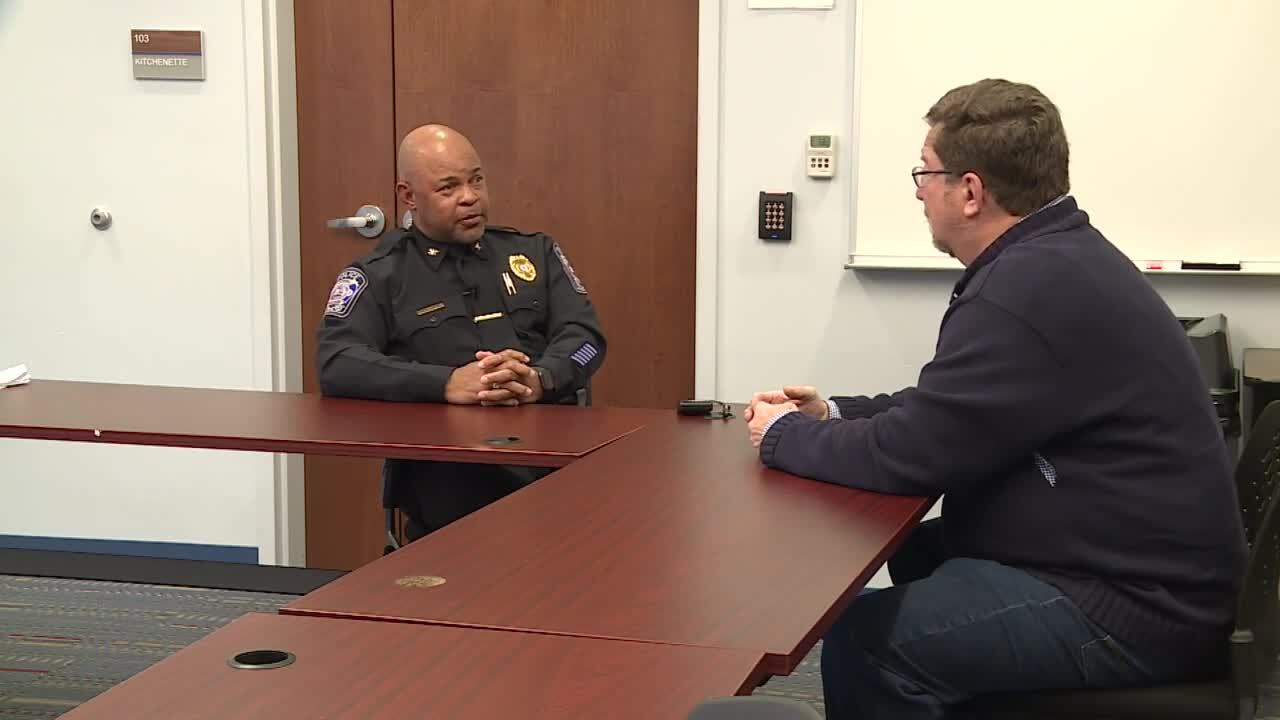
[[568, 270], [351, 282]]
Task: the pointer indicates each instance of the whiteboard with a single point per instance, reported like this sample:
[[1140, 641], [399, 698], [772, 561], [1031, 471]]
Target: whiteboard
[[1171, 107]]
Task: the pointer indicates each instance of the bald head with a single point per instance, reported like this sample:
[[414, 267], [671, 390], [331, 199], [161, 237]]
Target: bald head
[[441, 180], [431, 144]]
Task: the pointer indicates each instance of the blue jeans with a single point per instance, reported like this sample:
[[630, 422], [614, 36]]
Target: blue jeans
[[953, 628]]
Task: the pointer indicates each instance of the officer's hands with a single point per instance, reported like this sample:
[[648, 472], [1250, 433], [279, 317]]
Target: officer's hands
[[489, 360], [804, 397], [464, 385], [524, 386], [508, 379]]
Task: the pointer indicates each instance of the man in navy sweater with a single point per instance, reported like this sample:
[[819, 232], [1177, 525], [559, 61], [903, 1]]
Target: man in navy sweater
[[1090, 535]]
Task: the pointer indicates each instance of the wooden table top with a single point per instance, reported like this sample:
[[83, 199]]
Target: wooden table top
[[674, 534], [667, 530], [358, 669], [547, 435]]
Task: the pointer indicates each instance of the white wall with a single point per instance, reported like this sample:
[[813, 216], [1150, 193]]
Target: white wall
[[179, 291], [791, 313]]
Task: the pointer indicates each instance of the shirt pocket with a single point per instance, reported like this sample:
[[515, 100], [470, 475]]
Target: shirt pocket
[[528, 313], [438, 333]]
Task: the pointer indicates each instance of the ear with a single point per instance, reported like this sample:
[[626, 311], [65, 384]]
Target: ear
[[975, 194], [404, 193]]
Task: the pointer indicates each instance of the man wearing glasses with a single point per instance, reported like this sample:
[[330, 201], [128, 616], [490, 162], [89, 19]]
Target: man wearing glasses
[[1090, 535]]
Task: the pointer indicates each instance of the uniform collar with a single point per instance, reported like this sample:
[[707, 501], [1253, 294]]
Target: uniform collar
[[435, 252]]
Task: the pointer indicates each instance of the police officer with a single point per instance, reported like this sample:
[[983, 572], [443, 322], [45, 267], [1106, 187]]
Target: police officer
[[453, 310]]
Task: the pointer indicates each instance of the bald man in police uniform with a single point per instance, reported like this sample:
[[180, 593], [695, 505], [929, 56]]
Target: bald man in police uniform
[[454, 310]]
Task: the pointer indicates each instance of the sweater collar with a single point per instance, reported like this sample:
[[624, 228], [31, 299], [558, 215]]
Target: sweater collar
[[1052, 213]]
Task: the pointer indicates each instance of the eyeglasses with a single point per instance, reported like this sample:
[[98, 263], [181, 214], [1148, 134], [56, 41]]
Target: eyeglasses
[[918, 173]]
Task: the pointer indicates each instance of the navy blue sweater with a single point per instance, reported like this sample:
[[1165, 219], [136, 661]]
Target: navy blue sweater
[[1064, 418]]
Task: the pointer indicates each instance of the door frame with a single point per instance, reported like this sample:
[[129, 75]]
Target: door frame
[[272, 108], [706, 318], [281, 506]]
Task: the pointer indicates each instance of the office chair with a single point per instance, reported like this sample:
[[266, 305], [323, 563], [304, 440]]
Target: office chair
[[394, 520], [1254, 644], [753, 708], [1258, 469]]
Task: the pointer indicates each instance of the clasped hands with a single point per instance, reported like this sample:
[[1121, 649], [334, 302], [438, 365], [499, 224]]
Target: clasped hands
[[501, 378], [765, 406]]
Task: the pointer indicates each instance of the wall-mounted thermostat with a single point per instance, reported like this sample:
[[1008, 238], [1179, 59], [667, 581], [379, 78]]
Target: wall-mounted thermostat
[[820, 156]]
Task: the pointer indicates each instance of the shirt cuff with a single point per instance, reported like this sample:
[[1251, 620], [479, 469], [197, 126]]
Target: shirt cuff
[[773, 420], [833, 410]]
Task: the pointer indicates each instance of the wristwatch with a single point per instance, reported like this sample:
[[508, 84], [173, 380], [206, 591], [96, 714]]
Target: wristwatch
[[544, 378]]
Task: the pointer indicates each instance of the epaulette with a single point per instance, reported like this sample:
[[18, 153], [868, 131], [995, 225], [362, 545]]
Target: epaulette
[[510, 230], [386, 244]]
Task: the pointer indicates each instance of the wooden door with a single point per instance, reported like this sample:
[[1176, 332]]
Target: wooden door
[[585, 114], [346, 158]]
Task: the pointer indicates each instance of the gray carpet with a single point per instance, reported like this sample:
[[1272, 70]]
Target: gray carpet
[[805, 684], [64, 641]]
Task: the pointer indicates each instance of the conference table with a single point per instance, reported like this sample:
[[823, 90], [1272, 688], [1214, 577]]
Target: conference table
[[672, 534], [536, 435], [361, 670], [658, 530]]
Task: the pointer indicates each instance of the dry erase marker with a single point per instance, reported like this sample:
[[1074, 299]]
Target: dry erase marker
[[1227, 266]]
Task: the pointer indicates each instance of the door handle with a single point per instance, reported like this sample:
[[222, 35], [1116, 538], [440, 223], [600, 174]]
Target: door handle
[[368, 221]]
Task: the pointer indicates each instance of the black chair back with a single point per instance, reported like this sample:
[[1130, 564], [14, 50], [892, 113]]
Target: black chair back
[[1256, 642], [1258, 469]]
